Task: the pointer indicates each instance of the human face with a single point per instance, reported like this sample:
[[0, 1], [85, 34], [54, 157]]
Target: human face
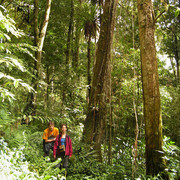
[[51, 127], [64, 129]]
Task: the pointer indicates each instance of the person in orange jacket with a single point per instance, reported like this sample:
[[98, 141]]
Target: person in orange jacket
[[49, 137]]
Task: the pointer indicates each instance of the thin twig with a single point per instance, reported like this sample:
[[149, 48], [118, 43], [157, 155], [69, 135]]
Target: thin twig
[[159, 16]]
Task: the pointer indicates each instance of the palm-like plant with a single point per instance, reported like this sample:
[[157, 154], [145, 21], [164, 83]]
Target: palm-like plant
[[8, 57]]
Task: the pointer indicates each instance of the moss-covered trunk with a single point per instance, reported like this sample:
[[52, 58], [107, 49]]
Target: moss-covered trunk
[[151, 95]]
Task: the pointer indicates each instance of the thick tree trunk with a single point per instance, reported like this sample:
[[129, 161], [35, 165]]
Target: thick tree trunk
[[100, 91], [151, 95]]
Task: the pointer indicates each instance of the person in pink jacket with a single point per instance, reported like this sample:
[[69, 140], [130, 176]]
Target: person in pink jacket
[[63, 147]]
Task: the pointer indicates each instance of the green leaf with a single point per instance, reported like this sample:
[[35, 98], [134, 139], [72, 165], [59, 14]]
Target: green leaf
[[6, 94], [7, 37], [16, 83], [177, 12], [13, 61]]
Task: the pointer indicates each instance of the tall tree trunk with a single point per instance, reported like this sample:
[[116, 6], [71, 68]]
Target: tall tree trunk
[[135, 146], [76, 50], [69, 36], [151, 96], [100, 91], [110, 126], [176, 52], [88, 67], [46, 101], [68, 50], [39, 36]]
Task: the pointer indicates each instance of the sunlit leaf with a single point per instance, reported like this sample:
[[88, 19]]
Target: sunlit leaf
[[177, 12], [7, 37], [6, 93], [16, 83], [13, 61]]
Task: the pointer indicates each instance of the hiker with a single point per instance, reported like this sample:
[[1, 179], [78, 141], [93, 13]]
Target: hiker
[[49, 137], [63, 147]]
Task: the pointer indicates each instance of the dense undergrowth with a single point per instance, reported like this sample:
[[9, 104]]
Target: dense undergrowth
[[21, 157]]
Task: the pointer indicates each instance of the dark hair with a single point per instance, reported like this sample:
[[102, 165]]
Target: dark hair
[[63, 125], [50, 122]]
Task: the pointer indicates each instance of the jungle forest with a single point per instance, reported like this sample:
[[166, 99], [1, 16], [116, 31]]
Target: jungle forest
[[103, 75]]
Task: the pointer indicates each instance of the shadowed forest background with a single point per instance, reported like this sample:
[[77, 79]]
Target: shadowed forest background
[[109, 69]]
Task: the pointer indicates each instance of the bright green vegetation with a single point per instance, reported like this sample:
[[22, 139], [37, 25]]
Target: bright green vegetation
[[22, 158]]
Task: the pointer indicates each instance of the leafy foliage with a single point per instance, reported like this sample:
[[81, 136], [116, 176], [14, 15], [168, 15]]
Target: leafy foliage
[[13, 163], [172, 157], [11, 65], [83, 165]]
